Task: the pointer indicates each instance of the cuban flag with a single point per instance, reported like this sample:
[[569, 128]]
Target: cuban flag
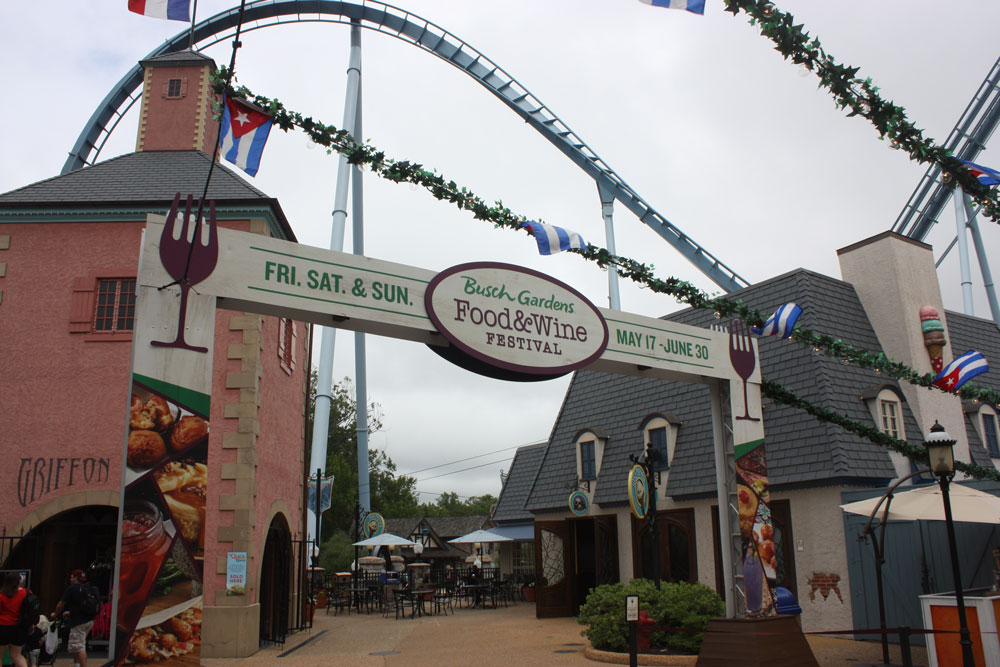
[[985, 175], [174, 10], [244, 133], [693, 6], [552, 239], [960, 370], [781, 323]]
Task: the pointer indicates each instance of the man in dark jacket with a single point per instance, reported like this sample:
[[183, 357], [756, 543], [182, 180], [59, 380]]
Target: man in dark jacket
[[70, 607]]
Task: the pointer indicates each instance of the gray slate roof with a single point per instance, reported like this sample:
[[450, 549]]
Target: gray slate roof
[[449, 527], [148, 178], [800, 450], [510, 506]]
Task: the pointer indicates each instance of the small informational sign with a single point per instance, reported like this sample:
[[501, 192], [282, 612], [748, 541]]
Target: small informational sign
[[631, 607], [236, 573]]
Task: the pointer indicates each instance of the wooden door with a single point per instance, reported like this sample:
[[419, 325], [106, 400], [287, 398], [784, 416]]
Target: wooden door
[[553, 575], [606, 545]]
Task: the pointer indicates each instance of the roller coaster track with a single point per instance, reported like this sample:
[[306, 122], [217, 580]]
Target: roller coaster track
[[967, 139], [399, 23]]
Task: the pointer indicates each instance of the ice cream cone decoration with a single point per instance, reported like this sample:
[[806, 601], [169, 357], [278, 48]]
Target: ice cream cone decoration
[[934, 340]]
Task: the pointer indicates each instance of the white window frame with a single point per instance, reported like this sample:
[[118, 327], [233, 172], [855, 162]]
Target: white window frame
[[599, 440]]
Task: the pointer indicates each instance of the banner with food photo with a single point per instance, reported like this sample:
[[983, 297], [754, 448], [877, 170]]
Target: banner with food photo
[[756, 529], [161, 534]]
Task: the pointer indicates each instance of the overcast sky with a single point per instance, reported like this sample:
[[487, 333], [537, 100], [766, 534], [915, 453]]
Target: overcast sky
[[699, 114]]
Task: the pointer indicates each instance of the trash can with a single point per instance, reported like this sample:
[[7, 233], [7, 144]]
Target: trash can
[[786, 603]]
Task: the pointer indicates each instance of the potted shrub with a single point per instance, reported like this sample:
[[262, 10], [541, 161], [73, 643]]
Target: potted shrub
[[675, 605], [321, 599]]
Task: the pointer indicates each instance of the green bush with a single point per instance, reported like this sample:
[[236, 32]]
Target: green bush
[[675, 605]]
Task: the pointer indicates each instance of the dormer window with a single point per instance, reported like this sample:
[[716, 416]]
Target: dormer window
[[890, 412], [659, 432], [588, 461], [589, 444], [990, 432], [658, 443]]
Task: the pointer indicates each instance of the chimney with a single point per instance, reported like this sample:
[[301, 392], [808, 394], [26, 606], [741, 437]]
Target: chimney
[[895, 278], [176, 113]]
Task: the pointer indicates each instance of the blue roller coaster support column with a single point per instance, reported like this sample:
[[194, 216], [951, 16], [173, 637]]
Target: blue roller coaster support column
[[324, 383], [984, 265], [963, 251], [608, 210]]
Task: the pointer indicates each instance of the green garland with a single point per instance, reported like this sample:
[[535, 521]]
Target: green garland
[[861, 97], [398, 171]]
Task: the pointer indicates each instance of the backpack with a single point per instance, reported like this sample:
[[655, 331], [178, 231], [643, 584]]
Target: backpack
[[90, 601], [30, 612]]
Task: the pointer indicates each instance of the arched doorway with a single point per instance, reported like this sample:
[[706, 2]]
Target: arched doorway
[[83, 538], [274, 592]]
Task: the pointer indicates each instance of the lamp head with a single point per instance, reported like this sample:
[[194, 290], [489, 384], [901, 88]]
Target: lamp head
[[418, 548], [940, 450]]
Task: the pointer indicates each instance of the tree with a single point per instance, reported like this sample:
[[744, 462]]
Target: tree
[[448, 504]]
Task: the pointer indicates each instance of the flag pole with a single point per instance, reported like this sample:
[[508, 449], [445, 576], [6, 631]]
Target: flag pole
[[194, 13]]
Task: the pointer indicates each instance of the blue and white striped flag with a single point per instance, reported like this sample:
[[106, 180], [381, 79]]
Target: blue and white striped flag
[[693, 6], [961, 370], [781, 323], [552, 239]]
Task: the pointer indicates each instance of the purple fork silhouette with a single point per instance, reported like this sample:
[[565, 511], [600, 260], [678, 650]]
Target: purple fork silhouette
[[187, 261], [743, 358]]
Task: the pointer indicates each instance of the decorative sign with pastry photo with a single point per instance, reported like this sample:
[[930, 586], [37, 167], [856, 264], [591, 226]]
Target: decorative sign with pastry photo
[[163, 531]]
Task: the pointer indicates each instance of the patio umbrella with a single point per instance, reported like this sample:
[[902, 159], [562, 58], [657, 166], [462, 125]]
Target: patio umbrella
[[385, 540], [925, 504], [480, 536]]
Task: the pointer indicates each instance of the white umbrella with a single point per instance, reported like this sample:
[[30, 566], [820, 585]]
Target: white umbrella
[[385, 540], [925, 504], [480, 536]]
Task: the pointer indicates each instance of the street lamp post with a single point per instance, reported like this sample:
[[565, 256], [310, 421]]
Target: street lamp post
[[942, 463]]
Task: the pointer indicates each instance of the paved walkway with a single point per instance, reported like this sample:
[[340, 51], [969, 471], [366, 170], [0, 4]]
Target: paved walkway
[[479, 638]]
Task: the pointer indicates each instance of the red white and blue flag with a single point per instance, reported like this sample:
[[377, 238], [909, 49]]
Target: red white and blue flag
[[782, 323], [244, 133], [174, 10], [552, 239], [693, 6], [960, 370], [985, 175]]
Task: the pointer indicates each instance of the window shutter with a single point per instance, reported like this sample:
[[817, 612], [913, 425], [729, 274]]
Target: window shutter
[[282, 323], [81, 311], [295, 339]]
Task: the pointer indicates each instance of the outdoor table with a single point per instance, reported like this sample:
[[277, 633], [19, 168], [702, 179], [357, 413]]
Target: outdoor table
[[420, 595], [358, 595], [478, 592]]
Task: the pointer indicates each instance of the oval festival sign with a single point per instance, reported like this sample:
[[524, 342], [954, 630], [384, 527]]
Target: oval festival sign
[[515, 319]]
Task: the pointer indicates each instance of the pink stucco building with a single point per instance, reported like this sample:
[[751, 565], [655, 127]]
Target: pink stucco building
[[69, 251]]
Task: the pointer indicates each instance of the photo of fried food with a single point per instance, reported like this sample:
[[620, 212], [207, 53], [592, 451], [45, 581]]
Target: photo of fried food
[[187, 432], [174, 638], [159, 428], [183, 485], [153, 415], [145, 448], [747, 508]]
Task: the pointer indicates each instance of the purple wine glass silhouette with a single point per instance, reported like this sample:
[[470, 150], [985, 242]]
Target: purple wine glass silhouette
[[743, 358], [187, 261]]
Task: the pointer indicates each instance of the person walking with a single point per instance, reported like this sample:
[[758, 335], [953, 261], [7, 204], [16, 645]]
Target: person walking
[[79, 622], [12, 636]]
